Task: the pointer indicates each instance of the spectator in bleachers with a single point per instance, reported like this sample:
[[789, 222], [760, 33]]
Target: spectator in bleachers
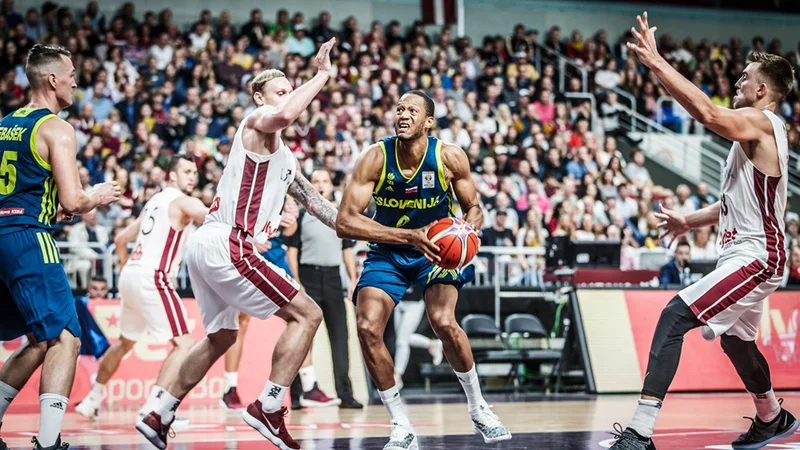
[[702, 196], [793, 267], [87, 241], [672, 273], [683, 204], [499, 234], [636, 172], [703, 245]]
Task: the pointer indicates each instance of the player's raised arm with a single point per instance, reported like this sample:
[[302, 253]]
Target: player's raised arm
[[352, 224], [457, 164], [59, 138], [191, 209], [123, 238], [742, 125], [271, 119], [307, 195]]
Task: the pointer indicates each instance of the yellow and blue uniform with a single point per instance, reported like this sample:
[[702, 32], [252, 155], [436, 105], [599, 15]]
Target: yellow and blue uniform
[[35, 295], [409, 202]]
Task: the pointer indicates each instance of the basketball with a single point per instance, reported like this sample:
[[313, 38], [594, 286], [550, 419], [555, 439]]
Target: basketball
[[457, 241]]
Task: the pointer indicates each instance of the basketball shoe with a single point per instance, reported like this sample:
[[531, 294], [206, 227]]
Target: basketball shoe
[[402, 437], [488, 425], [57, 446], [270, 425], [629, 439], [155, 432], [761, 433], [88, 407], [231, 400], [315, 398]]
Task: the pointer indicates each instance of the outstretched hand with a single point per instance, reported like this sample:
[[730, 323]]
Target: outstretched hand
[[323, 58], [645, 49], [675, 224]]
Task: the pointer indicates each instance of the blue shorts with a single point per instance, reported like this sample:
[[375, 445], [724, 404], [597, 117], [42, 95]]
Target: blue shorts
[[393, 271], [35, 295]]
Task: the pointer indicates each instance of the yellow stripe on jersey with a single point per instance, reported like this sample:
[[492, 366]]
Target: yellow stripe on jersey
[[383, 170], [440, 166], [400, 168], [45, 256], [49, 245], [48, 212], [35, 152], [55, 248]]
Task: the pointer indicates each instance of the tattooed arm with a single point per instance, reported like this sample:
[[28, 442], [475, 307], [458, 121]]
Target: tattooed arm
[[305, 194]]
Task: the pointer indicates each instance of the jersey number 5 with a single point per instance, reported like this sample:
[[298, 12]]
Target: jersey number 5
[[8, 173]]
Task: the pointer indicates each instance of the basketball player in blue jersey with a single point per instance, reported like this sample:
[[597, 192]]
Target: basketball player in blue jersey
[[413, 178], [37, 173]]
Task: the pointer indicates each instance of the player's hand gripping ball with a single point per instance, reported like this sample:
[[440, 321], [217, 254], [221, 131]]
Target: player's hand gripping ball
[[458, 243]]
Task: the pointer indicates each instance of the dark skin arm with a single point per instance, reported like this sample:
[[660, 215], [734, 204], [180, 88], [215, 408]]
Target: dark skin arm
[[352, 224], [458, 174]]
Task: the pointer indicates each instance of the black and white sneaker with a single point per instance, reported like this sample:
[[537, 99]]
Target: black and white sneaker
[[629, 439], [760, 433], [57, 446], [486, 423], [402, 437]]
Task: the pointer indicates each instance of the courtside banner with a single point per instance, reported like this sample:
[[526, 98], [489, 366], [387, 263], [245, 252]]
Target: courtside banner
[[619, 328], [131, 384]]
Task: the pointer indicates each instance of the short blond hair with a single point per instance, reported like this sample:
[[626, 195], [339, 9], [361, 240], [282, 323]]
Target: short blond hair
[[263, 78]]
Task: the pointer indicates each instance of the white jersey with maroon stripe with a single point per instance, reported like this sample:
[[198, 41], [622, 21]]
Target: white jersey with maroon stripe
[[730, 299], [158, 245], [228, 274], [753, 205], [252, 190]]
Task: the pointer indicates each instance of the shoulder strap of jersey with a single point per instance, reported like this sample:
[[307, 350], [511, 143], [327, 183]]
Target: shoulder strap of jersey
[[43, 116], [438, 162], [387, 147], [781, 138]]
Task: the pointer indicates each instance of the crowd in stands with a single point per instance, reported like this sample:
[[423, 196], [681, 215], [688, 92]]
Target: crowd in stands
[[149, 87]]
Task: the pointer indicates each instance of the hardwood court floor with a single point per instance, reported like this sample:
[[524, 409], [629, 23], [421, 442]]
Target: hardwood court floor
[[687, 422]]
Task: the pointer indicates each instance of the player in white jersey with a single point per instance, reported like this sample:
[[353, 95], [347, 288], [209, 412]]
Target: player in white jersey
[[728, 302], [228, 276], [149, 301]]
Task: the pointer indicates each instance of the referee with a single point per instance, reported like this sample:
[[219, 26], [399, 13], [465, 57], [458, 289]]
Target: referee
[[315, 255]]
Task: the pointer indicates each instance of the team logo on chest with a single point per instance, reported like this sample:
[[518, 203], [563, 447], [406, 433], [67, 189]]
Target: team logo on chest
[[427, 180]]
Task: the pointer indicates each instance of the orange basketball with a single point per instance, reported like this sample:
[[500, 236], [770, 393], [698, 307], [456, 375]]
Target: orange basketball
[[457, 241]]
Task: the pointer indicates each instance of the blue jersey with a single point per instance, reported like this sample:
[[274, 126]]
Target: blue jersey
[[415, 201], [28, 193]]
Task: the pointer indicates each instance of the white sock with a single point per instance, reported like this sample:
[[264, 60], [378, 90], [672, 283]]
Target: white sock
[[152, 401], [308, 378], [166, 407], [391, 399], [472, 387], [7, 395], [767, 406], [271, 397], [231, 380], [53, 408], [97, 391], [644, 419]]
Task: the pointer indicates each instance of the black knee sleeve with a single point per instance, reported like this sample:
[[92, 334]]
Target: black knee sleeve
[[665, 352], [750, 364]]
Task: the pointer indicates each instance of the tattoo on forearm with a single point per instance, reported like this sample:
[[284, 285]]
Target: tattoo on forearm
[[315, 204]]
